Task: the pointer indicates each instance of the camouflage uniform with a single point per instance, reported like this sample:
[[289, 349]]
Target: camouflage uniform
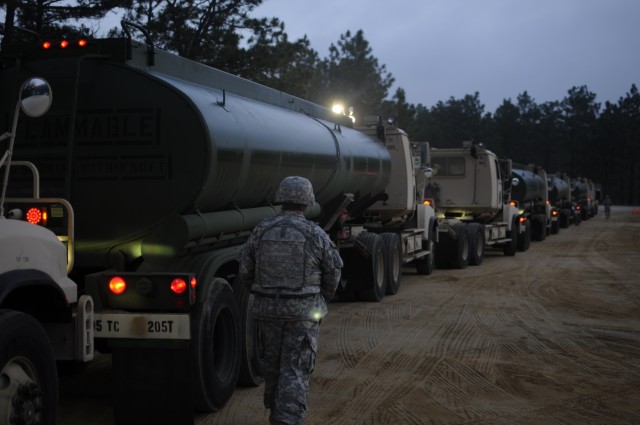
[[294, 270]]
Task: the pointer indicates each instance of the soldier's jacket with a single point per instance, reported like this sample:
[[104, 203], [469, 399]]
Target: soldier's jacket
[[292, 266]]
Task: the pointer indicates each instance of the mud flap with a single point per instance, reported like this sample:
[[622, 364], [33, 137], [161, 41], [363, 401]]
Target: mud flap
[[152, 382]]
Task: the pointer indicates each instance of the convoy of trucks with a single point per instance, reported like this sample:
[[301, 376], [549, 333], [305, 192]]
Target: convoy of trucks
[[132, 177]]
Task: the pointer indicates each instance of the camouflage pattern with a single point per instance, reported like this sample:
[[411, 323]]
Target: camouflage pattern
[[289, 359], [316, 267], [294, 270], [295, 190]]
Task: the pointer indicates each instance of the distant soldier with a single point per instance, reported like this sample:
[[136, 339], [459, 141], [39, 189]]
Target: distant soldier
[[294, 270], [607, 207]]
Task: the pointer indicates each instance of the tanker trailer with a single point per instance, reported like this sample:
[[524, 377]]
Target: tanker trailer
[[169, 164], [530, 193], [581, 196], [560, 199]]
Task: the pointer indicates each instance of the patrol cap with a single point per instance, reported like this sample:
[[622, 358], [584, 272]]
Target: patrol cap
[[295, 190]]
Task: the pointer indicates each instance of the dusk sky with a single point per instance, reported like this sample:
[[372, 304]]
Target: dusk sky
[[437, 49]]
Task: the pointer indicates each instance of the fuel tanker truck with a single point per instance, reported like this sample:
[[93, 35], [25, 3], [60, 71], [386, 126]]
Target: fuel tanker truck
[[470, 188], [559, 191], [583, 193], [152, 170], [529, 192]]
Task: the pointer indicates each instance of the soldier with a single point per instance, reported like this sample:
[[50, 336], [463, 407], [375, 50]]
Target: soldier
[[294, 271], [607, 207]]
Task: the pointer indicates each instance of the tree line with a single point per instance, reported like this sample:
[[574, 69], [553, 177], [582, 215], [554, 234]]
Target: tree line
[[575, 135]]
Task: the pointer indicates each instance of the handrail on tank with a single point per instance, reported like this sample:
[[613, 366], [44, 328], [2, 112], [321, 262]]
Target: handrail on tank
[[124, 23]]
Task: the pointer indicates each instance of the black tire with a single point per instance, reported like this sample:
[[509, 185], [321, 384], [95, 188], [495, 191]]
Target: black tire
[[443, 249], [524, 239], [27, 370], [564, 218], [251, 362], [425, 265], [393, 261], [216, 345], [555, 227], [476, 243], [538, 227], [374, 279], [460, 254], [511, 247]]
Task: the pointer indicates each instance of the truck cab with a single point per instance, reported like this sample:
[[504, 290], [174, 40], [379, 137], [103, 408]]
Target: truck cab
[[471, 188], [41, 315]]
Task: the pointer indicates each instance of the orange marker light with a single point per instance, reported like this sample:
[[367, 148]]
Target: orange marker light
[[82, 42], [117, 285], [193, 283], [46, 45], [178, 286], [34, 215], [64, 44]]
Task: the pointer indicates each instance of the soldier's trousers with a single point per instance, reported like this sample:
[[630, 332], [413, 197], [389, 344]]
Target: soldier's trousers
[[289, 350]]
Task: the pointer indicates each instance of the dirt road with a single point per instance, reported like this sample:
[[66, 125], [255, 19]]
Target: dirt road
[[550, 336]]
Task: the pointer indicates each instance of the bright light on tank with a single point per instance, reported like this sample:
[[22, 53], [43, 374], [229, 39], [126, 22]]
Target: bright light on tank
[[337, 108], [316, 315]]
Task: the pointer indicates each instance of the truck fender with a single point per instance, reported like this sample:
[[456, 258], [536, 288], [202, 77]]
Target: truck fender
[[13, 285], [426, 216], [433, 226], [509, 211]]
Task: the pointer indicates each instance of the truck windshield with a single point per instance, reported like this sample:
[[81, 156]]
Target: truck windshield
[[448, 166]]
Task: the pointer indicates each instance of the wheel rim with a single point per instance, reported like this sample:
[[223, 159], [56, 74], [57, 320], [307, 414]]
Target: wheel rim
[[465, 249], [379, 270], [20, 394], [478, 244], [432, 250]]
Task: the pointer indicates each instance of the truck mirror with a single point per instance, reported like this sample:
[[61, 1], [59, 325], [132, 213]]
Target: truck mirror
[[35, 97], [428, 171]]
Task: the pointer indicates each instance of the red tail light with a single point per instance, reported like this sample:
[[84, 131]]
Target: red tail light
[[178, 286], [117, 285], [34, 215]]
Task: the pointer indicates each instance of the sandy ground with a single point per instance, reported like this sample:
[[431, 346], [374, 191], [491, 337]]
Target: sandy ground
[[550, 336]]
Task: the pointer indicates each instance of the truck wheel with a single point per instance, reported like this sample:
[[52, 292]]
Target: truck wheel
[[216, 345], [538, 227], [564, 218], [251, 364], [476, 243], [28, 376], [375, 278], [393, 261], [510, 247], [524, 238], [424, 265], [460, 255], [443, 250]]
